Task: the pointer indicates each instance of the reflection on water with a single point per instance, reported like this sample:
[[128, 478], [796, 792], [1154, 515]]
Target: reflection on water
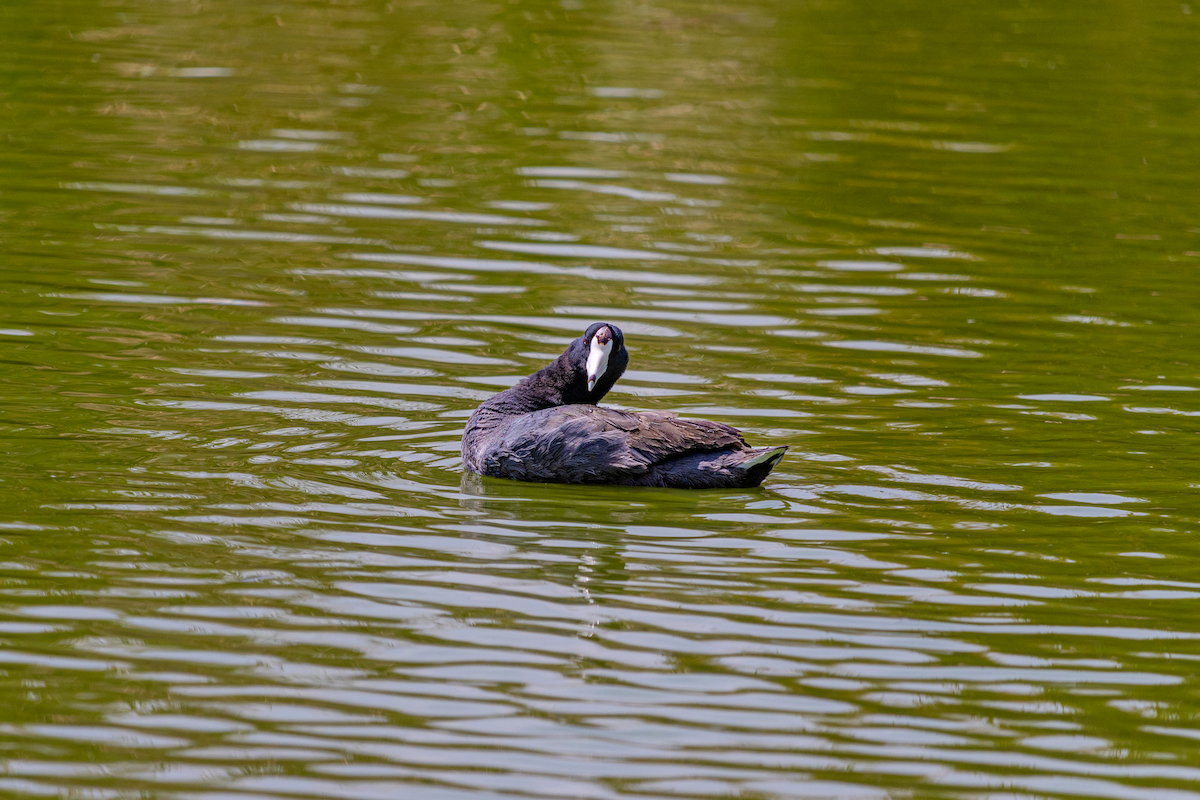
[[262, 262]]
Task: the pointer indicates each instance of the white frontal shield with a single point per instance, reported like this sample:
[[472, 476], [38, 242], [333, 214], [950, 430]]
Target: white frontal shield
[[597, 361]]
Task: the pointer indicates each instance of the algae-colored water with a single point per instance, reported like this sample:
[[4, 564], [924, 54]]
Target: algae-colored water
[[260, 261]]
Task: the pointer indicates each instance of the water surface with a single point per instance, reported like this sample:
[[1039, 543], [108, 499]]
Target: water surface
[[262, 260]]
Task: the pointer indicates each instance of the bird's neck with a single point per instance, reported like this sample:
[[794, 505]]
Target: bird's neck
[[549, 387], [553, 385]]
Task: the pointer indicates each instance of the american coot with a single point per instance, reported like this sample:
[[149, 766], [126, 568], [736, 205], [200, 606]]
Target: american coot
[[548, 428]]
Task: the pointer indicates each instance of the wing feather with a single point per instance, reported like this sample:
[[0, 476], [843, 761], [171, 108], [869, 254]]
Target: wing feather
[[588, 444]]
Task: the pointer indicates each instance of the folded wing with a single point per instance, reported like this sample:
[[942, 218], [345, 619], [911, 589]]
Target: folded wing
[[588, 444]]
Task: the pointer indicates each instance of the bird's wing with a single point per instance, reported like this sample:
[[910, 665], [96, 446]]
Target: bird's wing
[[587, 444], [662, 437]]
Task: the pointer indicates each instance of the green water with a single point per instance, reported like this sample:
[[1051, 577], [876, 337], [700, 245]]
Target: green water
[[260, 262]]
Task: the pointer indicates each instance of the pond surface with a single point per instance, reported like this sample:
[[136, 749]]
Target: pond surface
[[262, 260]]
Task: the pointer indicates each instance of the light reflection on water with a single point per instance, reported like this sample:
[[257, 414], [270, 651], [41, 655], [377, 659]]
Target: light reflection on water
[[251, 310]]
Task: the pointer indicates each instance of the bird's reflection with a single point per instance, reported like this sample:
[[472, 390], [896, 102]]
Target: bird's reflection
[[598, 514]]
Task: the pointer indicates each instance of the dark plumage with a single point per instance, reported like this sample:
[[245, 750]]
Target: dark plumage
[[548, 428]]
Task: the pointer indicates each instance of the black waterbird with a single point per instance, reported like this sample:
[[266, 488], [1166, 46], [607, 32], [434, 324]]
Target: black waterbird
[[548, 428]]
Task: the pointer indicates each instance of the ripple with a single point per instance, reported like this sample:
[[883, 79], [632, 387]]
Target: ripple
[[379, 197], [923, 252], [692, 177], [280, 146], [371, 172], [606, 188], [530, 267], [861, 266], [157, 299], [622, 91], [137, 188], [899, 347], [248, 235], [203, 72], [731, 411], [580, 251], [1064, 398], [1091, 497], [1163, 388], [612, 137], [376, 212], [571, 172], [739, 320], [1084, 511]]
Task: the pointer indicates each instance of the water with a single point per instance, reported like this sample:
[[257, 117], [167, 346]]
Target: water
[[262, 260]]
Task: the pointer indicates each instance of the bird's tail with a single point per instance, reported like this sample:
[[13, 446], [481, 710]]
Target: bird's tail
[[726, 469], [755, 463]]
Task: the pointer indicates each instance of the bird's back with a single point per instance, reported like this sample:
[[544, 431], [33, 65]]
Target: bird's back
[[587, 444]]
